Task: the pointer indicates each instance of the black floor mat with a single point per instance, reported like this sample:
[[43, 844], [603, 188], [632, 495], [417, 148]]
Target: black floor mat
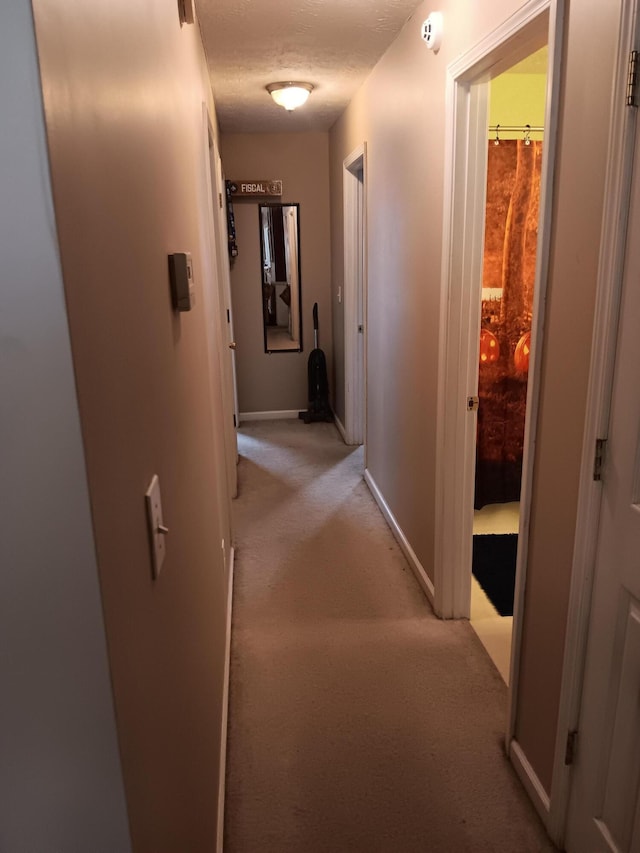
[[494, 567]]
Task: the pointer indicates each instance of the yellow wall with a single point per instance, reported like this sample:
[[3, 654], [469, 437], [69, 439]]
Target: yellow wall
[[519, 98]]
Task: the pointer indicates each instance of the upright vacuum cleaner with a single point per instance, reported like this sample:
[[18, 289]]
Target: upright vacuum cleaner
[[319, 409]]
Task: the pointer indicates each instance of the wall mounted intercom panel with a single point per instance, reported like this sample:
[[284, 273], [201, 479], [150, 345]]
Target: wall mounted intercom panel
[[182, 282]]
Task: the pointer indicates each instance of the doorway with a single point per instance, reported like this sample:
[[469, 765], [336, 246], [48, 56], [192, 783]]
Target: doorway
[[224, 459], [516, 107], [222, 313], [354, 178], [535, 24]]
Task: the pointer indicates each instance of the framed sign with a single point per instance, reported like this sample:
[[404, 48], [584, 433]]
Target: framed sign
[[255, 188]]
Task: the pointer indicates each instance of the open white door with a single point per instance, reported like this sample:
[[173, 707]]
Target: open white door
[[604, 811]]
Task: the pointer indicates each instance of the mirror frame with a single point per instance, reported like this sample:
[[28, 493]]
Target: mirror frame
[[280, 205]]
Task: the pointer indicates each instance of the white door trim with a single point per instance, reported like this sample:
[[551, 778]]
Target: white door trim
[[459, 343], [604, 343], [216, 322], [354, 293]]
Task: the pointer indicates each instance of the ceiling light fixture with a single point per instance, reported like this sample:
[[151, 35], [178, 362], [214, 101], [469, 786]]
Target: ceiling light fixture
[[290, 95]]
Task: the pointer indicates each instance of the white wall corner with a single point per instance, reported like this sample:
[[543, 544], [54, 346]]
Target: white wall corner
[[340, 427], [224, 726], [416, 566], [533, 786]]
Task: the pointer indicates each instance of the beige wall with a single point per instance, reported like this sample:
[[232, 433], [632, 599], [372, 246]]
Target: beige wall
[[400, 112], [123, 87], [123, 91], [278, 381], [60, 778]]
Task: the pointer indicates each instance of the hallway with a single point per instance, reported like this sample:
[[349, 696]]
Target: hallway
[[358, 721]]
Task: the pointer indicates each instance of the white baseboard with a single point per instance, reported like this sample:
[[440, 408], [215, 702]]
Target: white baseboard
[[225, 708], [416, 566], [285, 414], [340, 427], [532, 785]]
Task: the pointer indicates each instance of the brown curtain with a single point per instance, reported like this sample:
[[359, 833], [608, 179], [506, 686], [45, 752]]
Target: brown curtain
[[513, 194]]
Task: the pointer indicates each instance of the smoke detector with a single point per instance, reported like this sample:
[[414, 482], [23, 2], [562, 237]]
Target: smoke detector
[[432, 31]]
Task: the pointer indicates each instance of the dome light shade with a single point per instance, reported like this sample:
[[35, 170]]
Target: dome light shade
[[290, 95]]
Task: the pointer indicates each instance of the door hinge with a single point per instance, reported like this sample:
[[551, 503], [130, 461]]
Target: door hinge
[[570, 750], [234, 421], [360, 328], [598, 459], [220, 200], [228, 316], [473, 403], [632, 80]]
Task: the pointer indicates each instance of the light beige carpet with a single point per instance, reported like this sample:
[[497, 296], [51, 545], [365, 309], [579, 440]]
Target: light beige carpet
[[358, 721]]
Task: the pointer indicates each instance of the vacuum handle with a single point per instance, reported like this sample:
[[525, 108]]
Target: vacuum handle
[[315, 316]]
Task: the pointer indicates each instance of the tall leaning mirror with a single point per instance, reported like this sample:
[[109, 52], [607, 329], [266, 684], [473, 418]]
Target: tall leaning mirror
[[281, 294]]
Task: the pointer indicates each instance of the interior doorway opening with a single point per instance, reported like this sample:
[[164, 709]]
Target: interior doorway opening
[[536, 23], [515, 140]]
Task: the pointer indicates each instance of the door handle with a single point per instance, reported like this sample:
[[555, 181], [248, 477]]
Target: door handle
[[232, 345]]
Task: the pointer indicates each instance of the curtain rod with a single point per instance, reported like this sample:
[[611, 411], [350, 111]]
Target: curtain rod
[[496, 128]]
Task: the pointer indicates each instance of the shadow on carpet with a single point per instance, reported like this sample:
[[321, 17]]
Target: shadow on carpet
[[494, 567]]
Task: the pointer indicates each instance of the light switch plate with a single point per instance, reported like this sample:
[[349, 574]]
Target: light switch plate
[[156, 524], [183, 288]]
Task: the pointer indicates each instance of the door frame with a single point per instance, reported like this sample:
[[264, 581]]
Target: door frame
[[218, 311], [537, 22], [355, 295], [463, 239], [215, 302], [225, 273], [617, 193]]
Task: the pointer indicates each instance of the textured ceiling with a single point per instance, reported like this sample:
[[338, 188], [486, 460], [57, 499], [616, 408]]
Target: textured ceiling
[[332, 44]]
